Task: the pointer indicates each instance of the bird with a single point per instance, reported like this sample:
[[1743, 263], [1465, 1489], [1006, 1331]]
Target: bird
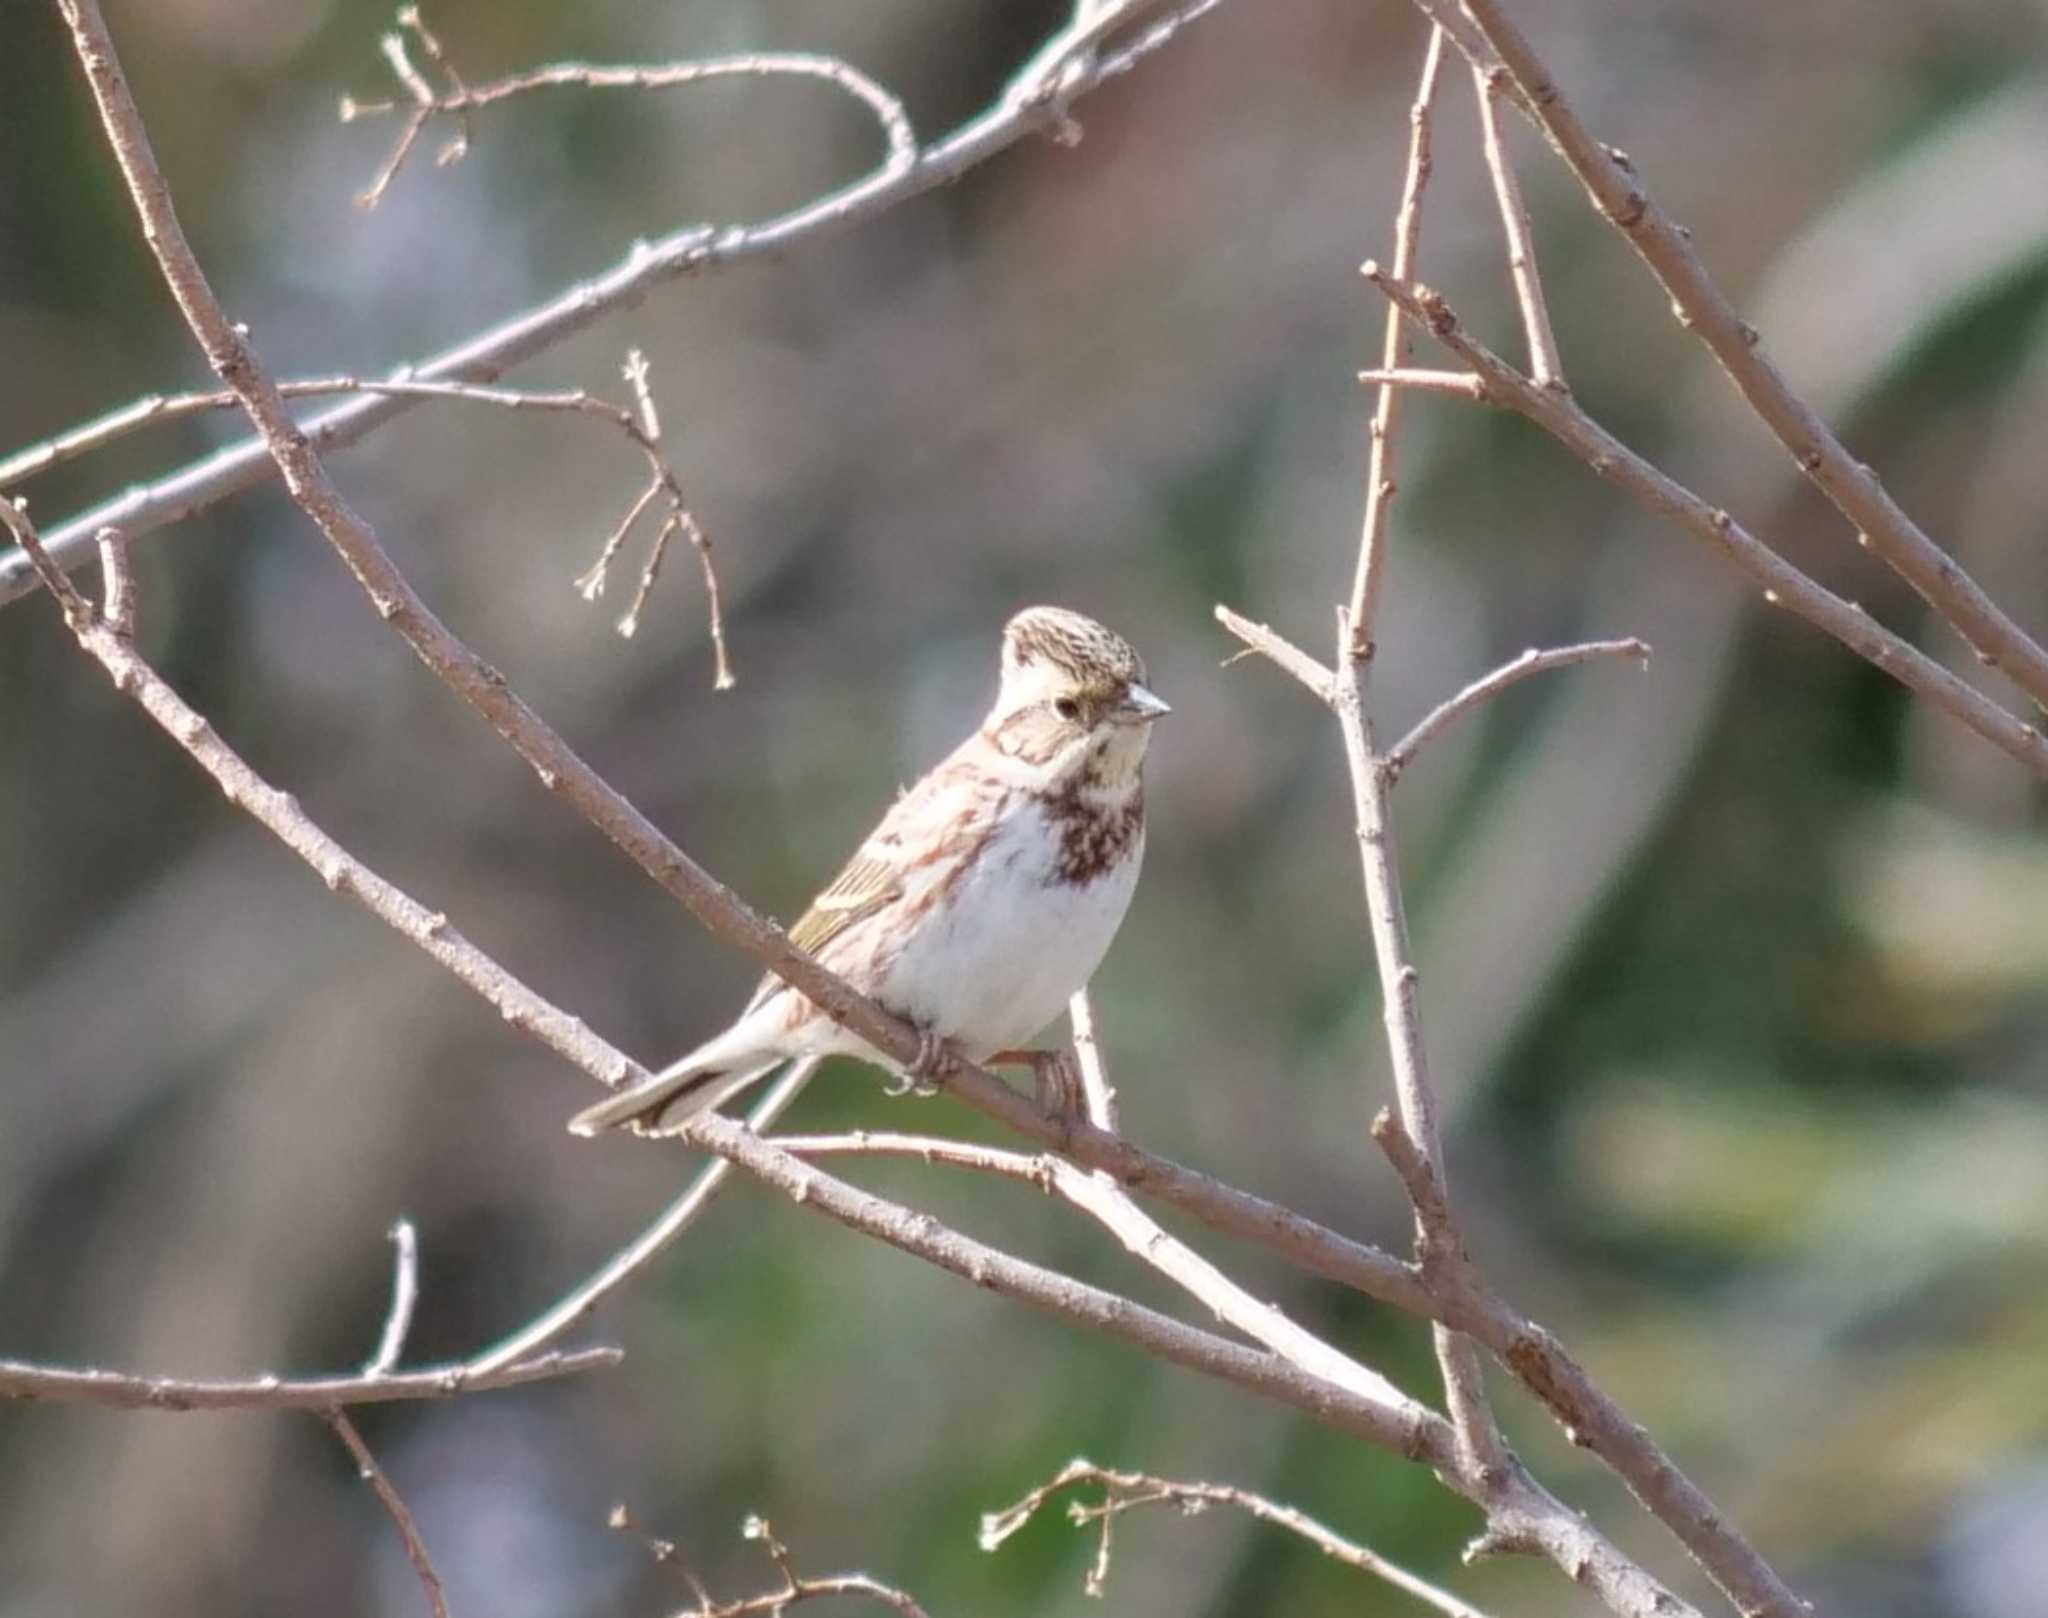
[[982, 902]]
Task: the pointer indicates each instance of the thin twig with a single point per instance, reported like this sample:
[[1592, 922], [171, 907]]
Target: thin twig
[[1481, 1450], [693, 249], [1620, 196], [1096, 1090], [1783, 584], [1379, 476], [1545, 369], [795, 1587], [1280, 651], [1457, 384], [1398, 757], [640, 425], [394, 1507], [459, 100], [676, 1218], [1126, 1491], [66, 1384], [405, 1292]]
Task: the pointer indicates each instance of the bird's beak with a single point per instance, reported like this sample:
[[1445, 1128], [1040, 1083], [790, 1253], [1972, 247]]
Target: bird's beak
[[1140, 707]]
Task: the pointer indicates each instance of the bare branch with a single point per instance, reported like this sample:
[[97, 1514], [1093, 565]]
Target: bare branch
[[691, 250], [63, 1384], [629, 1260], [1096, 1090], [1126, 1491], [459, 100], [640, 425], [394, 1507], [1487, 687], [405, 1293], [795, 1587], [1704, 310], [1480, 1448], [1783, 584], [1457, 384], [1545, 369], [1379, 475], [1276, 648]]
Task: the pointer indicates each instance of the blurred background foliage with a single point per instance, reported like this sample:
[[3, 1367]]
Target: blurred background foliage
[[1736, 971]]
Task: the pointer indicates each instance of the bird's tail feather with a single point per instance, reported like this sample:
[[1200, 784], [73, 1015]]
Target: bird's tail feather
[[670, 1099]]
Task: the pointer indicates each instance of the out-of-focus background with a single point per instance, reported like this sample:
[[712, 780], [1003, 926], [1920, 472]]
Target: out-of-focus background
[[1736, 971]]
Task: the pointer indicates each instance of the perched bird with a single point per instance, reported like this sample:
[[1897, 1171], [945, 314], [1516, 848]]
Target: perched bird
[[986, 897]]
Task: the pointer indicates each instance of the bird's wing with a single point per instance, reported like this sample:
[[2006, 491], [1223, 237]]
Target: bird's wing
[[878, 873]]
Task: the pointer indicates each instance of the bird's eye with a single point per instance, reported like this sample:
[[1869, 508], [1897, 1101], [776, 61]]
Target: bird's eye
[[1067, 708]]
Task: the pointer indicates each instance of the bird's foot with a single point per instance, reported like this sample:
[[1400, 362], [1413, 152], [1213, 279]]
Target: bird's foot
[[1055, 1081], [921, 1077]]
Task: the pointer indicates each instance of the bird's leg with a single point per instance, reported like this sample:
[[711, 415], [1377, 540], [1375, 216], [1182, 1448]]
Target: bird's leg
[[1055, 1081], [921, 1077]]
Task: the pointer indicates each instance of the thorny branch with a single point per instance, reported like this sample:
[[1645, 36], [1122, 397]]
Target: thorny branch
[[1127, 1491], [690, 250]]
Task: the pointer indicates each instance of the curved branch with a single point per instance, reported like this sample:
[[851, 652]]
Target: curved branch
[[1487, 687], [690, 250]]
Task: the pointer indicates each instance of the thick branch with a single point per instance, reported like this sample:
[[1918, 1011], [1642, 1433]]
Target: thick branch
[[1783, 584]]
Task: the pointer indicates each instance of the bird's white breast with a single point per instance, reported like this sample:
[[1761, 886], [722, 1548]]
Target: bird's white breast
[[1011, 939]]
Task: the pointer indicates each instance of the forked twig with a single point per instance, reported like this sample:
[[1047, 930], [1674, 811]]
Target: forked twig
[[795, 1588], [640, 424], [460, 99], [1621, 198], [1783, 584], [692, 249], [1127, 1491]]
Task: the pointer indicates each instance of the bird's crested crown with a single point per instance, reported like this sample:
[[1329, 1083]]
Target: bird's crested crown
[[1088, 655]]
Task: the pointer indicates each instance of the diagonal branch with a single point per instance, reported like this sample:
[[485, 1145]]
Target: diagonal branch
[[690, 250], [395, 1508], [1545, 369], [1703, 309], [1783, 584], [1379, 475]]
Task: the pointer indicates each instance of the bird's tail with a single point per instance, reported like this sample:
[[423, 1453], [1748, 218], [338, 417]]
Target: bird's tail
[[668, 1100]]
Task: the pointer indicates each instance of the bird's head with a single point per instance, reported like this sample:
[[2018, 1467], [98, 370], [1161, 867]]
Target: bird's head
[[1073, 700]]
